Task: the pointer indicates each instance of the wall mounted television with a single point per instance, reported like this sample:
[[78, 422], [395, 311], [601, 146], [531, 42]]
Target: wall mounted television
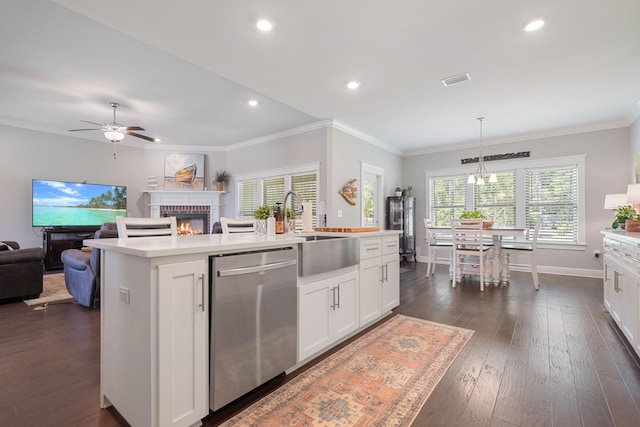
[[57, 204]]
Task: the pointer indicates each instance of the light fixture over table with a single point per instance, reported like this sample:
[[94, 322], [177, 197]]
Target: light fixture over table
[[478, 177]]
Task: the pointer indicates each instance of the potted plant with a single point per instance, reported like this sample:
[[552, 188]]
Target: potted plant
[[624, 214], [221, 178], [260, 215], [486, 223], [398, 191]]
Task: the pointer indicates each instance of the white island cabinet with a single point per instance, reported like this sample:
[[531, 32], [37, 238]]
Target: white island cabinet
[[622, 282], [154, 303]]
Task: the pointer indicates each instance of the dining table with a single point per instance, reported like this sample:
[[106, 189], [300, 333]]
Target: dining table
[[500, 269]]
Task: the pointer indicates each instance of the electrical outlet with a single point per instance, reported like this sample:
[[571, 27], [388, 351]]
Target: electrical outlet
[[124, 295], [339, 213], [596, 253]]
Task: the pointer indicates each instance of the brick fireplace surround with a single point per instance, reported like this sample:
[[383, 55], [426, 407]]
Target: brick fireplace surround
[[186, 202]]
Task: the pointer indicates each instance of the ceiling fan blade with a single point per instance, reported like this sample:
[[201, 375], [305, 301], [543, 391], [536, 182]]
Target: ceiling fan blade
[[148, 138], [133, 128], [74, 130], [93, 123]]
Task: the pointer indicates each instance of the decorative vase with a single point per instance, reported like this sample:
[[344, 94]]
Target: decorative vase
[[261, 226], [219, 186], [632, 225], [398, 193]]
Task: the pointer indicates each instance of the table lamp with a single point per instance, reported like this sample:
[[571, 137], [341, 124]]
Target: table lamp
[[633, 196], [614, 201]]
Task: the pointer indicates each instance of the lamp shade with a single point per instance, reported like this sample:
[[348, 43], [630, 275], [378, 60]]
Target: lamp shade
[[633, 193], [114, 135], [614, 201]]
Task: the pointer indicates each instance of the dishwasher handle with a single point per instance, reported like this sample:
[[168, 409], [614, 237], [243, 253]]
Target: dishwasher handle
[[256, 268]]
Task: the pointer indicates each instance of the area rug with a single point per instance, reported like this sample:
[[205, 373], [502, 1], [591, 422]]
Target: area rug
[[54, 291], [381, 379]]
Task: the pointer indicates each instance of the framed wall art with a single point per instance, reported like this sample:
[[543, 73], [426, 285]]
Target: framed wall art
[[184, 172]]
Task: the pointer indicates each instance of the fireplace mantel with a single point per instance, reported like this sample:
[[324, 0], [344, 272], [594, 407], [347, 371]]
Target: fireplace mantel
[[185, 198]]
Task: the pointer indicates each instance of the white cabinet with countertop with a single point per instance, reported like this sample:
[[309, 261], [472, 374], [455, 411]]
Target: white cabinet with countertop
[[327, 310], [379, 276], [622, 282]]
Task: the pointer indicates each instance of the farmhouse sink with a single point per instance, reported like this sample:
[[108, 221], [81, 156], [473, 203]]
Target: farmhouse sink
[[320, 254]]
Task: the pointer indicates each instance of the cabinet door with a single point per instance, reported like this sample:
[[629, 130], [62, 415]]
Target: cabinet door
[[628, 290], [370, 282], [314, 332], [345, 312], [183, 365], [391, 282], [609, 287]]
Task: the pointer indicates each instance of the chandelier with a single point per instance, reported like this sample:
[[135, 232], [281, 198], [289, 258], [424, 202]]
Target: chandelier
[[479, 176]]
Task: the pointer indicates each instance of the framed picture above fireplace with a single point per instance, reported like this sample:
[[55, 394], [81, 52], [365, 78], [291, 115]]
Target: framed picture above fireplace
[[184, 172]]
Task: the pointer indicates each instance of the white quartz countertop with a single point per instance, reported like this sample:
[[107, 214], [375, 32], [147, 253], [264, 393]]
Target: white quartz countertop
[[150, 247]]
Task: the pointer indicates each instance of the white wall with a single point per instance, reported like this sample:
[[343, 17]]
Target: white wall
[[346, 153], [27, 155], [607, 157], [634, 135], [293, 150]]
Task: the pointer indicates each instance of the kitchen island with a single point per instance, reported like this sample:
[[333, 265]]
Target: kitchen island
[[155, 318]]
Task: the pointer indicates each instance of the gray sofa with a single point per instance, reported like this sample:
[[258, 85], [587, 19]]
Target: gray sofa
[[82, 271], [21, 272]]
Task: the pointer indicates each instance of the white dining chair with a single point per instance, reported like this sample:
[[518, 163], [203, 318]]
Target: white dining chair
[[526, 248], [468, 249], [237, 225], [146, 227]]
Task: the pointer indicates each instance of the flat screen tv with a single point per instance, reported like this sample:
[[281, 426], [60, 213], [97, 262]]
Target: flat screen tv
[[76, 204]]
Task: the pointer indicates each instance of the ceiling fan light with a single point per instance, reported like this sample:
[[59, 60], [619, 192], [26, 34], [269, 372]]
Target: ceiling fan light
[[114, 135]]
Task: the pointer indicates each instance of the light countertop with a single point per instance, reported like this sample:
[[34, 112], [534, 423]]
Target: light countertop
[[150, 247]]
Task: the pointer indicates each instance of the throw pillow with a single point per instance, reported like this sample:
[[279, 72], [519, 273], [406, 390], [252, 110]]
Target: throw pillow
[[5, 247]]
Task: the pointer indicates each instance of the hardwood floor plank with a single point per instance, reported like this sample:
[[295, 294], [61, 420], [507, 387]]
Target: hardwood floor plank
[[529, 351]]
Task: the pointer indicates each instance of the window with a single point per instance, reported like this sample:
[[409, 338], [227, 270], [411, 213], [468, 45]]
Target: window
[[371, 178], [269, 187], [551, 189]]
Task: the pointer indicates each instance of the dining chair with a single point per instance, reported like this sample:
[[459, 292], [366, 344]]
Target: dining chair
[[526, 248], [237, 225], [468, 249], [146, 227], [432, 247]]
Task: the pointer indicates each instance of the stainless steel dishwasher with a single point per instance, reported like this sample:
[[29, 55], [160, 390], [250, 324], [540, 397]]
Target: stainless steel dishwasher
[[253, 320]]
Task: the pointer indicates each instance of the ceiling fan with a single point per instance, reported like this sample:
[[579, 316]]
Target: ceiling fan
[[114, 131]]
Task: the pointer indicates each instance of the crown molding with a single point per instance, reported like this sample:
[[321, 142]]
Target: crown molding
[[521, 137], [363, 136]]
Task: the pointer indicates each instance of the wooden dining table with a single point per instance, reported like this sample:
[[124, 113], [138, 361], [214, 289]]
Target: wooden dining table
[[500, 269]]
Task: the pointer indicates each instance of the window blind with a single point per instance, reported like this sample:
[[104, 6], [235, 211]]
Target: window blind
[[447, 197], [306, 186], [273, 191], [552, 194], [247, 198], [497, 200]]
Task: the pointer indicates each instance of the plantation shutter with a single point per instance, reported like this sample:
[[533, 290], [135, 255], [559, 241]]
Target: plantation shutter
[[552, 194], [446, 199], [497, 200], [273, 192], [306, 186], [247, 198]]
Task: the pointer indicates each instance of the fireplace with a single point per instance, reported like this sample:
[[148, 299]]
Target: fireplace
[[196, 211], [190, 224]]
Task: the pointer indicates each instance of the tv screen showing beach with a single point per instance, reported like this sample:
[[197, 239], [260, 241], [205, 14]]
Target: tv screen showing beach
[[59, 204]]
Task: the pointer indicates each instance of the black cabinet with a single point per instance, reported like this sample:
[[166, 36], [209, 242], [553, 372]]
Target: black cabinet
[[400, 215], [55, 241]]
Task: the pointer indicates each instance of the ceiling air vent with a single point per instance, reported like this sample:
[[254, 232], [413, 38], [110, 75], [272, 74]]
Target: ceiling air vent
[[456, 79]]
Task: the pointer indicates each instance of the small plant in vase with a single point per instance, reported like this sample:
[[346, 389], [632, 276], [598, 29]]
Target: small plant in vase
[[398, 191], [260, 215], [221, 178], [624, 214]]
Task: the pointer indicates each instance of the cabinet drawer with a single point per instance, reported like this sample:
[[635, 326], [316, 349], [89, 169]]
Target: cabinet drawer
[[390, 245], [370, 248]]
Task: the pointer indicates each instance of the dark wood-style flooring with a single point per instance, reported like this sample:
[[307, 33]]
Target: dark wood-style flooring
[[547, 358]]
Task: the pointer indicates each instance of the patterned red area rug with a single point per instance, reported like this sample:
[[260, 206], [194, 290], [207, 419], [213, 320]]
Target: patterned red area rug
[[381, 379]]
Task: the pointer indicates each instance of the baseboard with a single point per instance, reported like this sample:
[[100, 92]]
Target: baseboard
[[544, 269]]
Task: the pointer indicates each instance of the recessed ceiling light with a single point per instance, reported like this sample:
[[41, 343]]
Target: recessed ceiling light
[[353, 85], [253, 103], [534, 24], [264, 25]]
